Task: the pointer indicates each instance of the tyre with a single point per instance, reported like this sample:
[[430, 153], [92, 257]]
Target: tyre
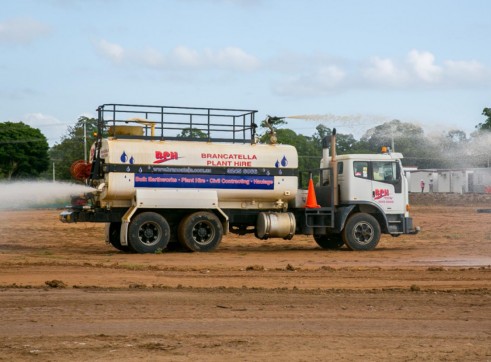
[[200, 231], [329, 241], [114, 233], [361, 232], [148, 232]]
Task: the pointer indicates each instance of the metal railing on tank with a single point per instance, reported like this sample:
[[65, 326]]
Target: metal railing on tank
[[177, 123]]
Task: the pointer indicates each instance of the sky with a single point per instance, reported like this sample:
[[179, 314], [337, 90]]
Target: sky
[[354, 64]]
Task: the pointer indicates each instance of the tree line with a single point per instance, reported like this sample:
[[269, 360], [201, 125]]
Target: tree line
[[25, 153]]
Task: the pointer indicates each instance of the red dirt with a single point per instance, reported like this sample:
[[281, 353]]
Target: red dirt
[[424, 297]]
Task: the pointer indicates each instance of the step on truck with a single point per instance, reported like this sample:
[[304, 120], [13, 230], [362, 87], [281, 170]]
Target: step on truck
[[180, 176]]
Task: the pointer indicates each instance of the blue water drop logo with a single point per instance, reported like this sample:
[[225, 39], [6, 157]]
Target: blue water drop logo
[[280, 172], [140, 170], [124, 157], [277, 164], [284, 161], [132, 160]]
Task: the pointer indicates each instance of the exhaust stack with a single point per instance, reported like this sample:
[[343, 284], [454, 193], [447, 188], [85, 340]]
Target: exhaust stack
[[334, 165]]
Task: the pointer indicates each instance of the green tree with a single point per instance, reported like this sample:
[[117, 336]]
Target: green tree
[[308, 151], [71, 147], [345, 143], [486, 125], [23, 151], [192, 133], [273, 121], [456, 136]]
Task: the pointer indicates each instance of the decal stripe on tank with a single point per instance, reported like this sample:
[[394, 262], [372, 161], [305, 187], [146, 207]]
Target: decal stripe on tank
[[204, 181], [201, 170]]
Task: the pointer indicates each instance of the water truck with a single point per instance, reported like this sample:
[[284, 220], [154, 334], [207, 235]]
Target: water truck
[[181, 176]]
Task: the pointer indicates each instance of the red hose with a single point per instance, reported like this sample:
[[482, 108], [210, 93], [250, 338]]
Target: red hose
[[80, 170]]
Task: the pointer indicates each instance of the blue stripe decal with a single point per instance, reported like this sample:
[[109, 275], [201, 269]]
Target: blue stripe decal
[[204, 181]]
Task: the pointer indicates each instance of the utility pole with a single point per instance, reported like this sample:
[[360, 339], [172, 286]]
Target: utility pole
[[85, 140]]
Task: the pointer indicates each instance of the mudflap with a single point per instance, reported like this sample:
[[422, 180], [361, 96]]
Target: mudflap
[[409, 228]]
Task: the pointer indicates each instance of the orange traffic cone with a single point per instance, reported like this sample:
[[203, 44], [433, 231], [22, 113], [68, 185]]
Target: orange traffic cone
[[311, 199]]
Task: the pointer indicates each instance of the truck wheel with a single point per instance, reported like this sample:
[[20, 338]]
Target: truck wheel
[[329, 241], [200, 231], [148, 232], [362, 232], [114, 232]]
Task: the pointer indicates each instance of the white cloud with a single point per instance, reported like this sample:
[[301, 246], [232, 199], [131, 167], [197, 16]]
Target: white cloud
[[315, 74], [113, 52], [467, 72], [50, 126], [320, 74], [423, 65], [232, 58], [179, 58], [323, 80], [384, 71], [186, 57], [22, 31], [420, 69]]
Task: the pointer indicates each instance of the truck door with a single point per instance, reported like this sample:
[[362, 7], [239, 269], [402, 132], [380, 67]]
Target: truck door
[[387, 186], [360, 185]]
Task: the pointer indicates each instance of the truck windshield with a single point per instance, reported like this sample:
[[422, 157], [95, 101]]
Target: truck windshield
[[385, 171]]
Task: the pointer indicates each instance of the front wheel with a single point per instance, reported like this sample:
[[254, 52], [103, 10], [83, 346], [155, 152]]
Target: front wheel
[[200, 231], [329, 241], [362, 232], [148, 232]]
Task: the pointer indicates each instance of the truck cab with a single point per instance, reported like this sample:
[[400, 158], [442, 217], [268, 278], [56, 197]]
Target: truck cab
[[373, 179], [369, 198]]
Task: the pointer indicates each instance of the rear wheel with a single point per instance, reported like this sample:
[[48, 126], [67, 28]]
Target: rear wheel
[[362, 232], [114, 240], [200, 231], [148, 232], [329, 241]]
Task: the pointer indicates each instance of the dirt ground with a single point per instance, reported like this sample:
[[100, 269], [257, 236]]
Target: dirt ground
[[66, 295]]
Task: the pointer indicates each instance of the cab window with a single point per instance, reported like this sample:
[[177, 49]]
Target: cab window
[[360, 169]]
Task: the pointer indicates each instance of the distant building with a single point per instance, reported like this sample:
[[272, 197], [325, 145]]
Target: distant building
[[476, 180]]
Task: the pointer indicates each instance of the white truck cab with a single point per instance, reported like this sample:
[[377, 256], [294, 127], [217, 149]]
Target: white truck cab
[[376, 179]]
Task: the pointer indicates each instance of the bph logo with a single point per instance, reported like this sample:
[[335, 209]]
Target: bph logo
[[379, 193], [165, 156]]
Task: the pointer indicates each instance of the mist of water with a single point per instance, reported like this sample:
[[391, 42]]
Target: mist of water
[[348, 123], [349, 119], [35, 194], [475, 151]]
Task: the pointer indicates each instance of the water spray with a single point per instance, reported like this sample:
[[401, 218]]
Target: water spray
[[38, 194]]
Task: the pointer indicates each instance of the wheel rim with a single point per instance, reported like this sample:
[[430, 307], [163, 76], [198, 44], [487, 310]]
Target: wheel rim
[[363, 232], [203, 232], [150, 233]]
